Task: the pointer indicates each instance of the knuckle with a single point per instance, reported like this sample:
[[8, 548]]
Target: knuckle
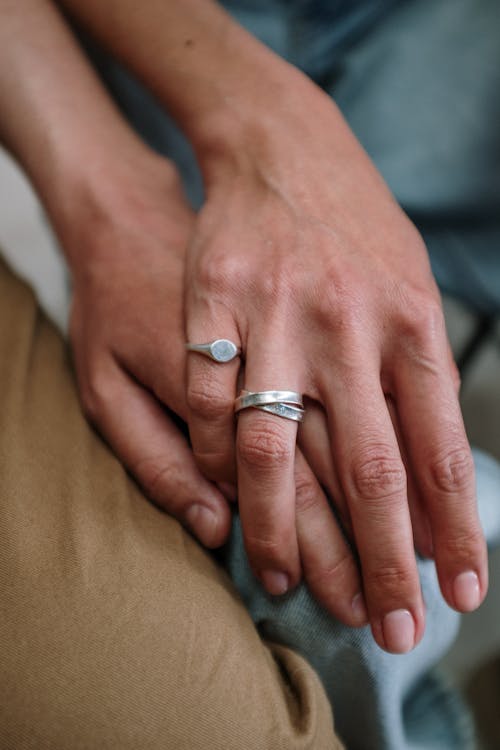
[[336, 307], [422, 319], [282, 284], [204, 399], [268, 548], [463, 547], [378, 474], [306, 493], [454, 471], [221, 272], [333, 576], [154, 474], [391, 578], [264, 446], [268, 545]]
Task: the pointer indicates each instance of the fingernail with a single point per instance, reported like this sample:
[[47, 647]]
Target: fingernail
[[466, 591], [275, 582], [359, 609], [228, 490], [203, 522], [399, 631]]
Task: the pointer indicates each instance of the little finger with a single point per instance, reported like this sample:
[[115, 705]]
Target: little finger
[[442, 462]]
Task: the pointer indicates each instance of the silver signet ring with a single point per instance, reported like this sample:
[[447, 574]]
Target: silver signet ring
[[220, 350]]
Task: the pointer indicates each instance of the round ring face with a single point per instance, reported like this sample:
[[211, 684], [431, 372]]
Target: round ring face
[[223, 350], [220, 350]]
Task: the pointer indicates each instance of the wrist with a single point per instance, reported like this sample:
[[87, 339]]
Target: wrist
[[226, 89], [252, 122], [274, 134]]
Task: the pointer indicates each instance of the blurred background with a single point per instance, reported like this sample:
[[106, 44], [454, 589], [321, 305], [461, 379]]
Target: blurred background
[[474, 662]]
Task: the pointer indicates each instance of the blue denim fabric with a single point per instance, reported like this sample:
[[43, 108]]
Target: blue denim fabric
[[312, 34], [418, 80], [421, 94]]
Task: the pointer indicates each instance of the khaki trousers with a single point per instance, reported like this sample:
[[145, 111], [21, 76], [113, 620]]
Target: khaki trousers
[[117, 630]]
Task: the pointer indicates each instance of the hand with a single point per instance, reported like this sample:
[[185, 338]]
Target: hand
[[127, 337], [302, 257], [123, 226], [128, 343]]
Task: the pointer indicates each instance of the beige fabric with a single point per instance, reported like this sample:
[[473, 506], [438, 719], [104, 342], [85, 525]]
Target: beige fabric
[[117, 631]]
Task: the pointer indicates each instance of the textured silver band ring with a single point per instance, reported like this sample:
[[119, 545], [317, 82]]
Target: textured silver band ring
[[220, 350], [286, 404], [295, 413], [261, 398]]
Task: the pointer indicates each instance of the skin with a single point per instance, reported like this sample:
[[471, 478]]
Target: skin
[[302, 257], [297, 218], [124, 226]]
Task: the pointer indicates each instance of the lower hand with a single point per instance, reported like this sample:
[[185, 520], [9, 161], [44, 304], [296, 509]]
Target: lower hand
[[126, 247]]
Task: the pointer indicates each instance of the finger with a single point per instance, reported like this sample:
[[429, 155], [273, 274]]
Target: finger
[[454, 372], [422, 534], [265, 452], [374, 481], [327, 561], [315, 446], [211, 390], [314, 443], [142, 435], [440, 455]]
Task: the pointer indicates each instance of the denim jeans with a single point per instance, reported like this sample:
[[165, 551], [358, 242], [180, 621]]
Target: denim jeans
[[418, 82]]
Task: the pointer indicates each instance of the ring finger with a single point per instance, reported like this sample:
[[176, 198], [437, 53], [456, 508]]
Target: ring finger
[[265, 451]]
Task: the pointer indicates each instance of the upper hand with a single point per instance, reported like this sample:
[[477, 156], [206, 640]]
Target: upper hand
[[302, 257]]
